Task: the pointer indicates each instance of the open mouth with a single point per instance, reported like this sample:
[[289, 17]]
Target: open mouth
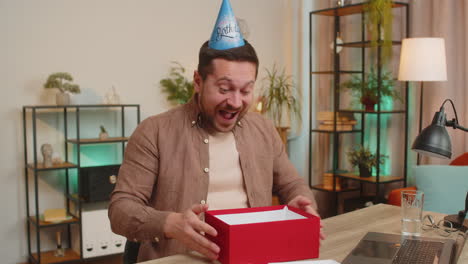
[[227, 115]]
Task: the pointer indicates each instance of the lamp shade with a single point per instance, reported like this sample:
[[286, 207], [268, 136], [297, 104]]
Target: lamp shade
[[423, 59], [434, 140]]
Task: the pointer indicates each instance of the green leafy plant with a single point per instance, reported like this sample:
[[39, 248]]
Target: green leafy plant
[[362, 157], [367, 90], [379, 26], [62, 81], [103, 129], [178, 88], [280, 96]]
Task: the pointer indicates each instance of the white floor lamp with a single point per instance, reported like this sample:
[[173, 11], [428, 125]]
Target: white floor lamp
[[422, 60]]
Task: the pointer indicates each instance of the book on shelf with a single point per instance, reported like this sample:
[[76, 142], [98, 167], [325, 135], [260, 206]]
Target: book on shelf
[[55, 215], [339, 127], [330, 122], [330, 116]]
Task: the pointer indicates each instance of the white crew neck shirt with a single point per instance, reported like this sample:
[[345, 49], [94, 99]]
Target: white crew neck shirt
[[226, 189]]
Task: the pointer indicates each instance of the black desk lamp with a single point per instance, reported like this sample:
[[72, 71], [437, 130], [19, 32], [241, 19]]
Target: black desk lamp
[[434, 141]]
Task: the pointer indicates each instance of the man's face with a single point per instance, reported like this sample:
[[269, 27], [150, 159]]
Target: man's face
[[226, 94]]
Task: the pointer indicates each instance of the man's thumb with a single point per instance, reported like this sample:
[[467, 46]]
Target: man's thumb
[[199, 208]]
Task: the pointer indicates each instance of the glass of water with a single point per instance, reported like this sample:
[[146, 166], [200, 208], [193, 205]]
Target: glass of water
[[411, 212]]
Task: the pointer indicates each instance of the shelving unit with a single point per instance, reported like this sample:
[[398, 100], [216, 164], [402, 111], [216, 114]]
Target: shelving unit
[[33, 168], [336, 75], [97, 140]]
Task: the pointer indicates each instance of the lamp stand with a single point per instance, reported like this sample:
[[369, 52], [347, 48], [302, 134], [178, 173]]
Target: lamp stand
[[457, 222], [421, 95]]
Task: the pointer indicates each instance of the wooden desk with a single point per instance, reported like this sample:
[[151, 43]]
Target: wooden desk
[[344, 232]]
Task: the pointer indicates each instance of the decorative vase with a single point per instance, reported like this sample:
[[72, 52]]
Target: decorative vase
[[339, 41], [62, 99], [112, 97], [103, 135], [364, 171], [368, 103], [59, 252]]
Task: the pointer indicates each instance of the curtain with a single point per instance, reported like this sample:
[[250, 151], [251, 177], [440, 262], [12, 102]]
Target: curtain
[[447, 19]]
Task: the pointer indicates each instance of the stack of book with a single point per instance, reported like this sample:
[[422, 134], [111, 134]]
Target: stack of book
[[344, 122], [55, 215]]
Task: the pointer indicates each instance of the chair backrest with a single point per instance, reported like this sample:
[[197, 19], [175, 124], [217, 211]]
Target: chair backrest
[[130, 255], [461, 160], [444, 187], [394, 197]]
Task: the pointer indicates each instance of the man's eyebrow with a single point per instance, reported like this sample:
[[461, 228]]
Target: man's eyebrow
[[250, 82], [225, 78], [247, 84]]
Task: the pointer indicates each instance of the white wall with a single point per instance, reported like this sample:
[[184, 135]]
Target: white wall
[[128, 44]]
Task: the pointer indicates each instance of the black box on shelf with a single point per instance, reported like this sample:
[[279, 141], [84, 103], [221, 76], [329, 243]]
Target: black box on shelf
[[97, 183]]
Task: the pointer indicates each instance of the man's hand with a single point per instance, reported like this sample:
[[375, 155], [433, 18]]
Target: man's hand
[[304, 203], [186, 228]]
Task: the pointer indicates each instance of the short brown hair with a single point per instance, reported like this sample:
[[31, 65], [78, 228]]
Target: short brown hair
[[207, 55]]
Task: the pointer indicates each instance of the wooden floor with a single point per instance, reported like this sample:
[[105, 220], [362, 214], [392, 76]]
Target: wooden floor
[[116, 259]]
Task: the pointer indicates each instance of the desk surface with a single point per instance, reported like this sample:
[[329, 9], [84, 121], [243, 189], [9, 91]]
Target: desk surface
[[344, 232]]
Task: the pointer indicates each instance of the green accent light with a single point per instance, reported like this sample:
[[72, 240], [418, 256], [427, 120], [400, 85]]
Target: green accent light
[[100, 155], [370, 137], [93, 155], [73, 181]]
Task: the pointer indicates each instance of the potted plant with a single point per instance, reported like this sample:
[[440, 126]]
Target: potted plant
[[367, 90], [363, 158], [378, 20], [178, 88], [280, 99], [62, 82]]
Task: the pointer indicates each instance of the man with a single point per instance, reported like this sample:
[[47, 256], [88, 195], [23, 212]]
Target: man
[[209, 153]]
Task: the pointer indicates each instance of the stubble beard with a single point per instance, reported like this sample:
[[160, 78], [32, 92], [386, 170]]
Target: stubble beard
[[208, 120]]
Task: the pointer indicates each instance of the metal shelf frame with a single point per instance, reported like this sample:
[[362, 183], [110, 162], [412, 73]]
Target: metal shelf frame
[[336, 14], [34, 168]]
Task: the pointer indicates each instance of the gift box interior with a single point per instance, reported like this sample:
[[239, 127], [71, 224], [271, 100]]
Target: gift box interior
[[264, 234]]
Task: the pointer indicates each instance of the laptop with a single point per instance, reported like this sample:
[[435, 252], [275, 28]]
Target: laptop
[[380, 248]]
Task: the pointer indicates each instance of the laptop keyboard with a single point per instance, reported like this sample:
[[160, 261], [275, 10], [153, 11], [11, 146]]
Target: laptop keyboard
[[418, 252]]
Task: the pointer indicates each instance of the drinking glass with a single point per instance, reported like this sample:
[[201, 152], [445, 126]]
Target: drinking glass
[[411, 212]]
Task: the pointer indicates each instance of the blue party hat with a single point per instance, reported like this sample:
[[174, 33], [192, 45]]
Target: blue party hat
[[226, 33]]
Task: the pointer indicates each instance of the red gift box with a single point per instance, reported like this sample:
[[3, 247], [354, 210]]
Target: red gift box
[[264, 234]]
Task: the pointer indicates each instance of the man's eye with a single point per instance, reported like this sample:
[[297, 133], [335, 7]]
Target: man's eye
[[223, 90], [245, 92]]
